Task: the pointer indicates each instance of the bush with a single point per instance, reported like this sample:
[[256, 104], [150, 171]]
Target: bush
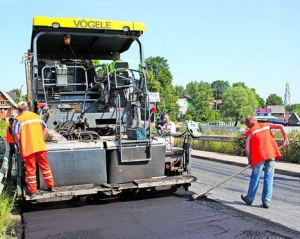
[[3, 126], [214, 146], [237, 146], [292, 152]]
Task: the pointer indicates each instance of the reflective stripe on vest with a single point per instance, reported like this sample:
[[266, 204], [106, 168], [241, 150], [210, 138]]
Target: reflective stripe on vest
[[262, 143], [31, 121], [32, 135], [257, 131]]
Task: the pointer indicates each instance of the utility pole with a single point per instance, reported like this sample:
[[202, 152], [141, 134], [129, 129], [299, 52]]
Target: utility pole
[[20, 97], [216, 109]]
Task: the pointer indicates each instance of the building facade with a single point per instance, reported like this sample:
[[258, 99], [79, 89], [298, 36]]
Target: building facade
[[8, 107], [183, 107]]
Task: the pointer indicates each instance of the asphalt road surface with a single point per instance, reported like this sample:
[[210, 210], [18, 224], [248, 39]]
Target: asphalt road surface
[[285, 206], [170, 215], [162, 216]]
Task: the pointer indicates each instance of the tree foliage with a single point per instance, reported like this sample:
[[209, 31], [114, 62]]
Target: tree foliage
[[238, 103], [18, 93], [160, 69], [201, 96], [161, 81], [152, 84], [293, 108], [179, 91], [274, 99], [261, 102], [242, 84], [218, 87]]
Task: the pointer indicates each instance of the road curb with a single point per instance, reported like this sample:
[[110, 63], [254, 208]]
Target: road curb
[[3, 173], [277, 171]]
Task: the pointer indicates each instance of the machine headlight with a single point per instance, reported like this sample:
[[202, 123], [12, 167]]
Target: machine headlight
[[126, 29], [55, 25]]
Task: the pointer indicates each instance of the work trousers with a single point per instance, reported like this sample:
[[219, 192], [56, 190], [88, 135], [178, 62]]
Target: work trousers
[[30, 166], [169, 141], [12, 151], [269, 166]]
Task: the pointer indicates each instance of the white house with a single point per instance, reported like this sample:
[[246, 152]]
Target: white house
[[277, 110], [183, 106]]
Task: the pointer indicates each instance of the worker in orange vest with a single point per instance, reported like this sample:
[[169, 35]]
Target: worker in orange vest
[[262, 151], [30, 132], [10, 141]]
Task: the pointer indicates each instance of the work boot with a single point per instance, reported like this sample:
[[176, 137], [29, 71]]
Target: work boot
[[106, 106], [32, 194], [266, 205], [51, 189], [9, 176], [4, 181], [244, 198]]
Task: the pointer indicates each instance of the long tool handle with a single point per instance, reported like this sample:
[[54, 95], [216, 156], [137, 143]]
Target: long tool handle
[[233, 175]]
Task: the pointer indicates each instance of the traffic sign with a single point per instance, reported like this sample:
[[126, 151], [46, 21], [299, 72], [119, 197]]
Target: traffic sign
[[154, 97]]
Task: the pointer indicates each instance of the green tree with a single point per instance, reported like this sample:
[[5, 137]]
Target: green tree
[[274, 99], [152, 84], [179, 91], [188, 117], [200, 96], [239, 84], [218, 87], [293, 108], [18, 93], [159, 68], [261, 102], [238, 103]]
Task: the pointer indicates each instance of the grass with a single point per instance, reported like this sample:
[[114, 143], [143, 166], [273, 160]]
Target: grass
[[7, 200], [7, 203], [3, 126], [213, 146]]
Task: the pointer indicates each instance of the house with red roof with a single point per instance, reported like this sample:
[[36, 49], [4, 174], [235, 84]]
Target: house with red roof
[[8, 107]]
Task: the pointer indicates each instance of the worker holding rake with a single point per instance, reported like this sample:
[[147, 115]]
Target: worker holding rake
[[262, 151]]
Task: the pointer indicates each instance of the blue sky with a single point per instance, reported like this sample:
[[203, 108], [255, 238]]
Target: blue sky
[[255, 42]]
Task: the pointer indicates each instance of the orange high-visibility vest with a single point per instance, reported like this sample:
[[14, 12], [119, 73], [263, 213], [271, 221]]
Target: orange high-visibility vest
[[32, 136], [9, 137], [262, 143]]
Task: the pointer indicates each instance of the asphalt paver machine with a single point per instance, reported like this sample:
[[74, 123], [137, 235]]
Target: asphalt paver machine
[[104, 149]]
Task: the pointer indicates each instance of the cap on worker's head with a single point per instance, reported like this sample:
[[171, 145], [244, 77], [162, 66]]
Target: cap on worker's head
[[22, 105], [11, 119], [250, 120], [115, 55], [41, 105]]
